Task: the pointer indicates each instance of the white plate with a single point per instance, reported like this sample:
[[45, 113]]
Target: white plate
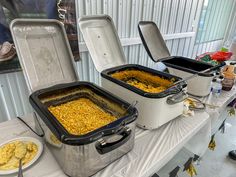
[[30, 139]]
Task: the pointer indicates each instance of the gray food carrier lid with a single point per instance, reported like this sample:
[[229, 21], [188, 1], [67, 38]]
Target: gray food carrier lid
[[102, 41], [44, 52], [153, 40]]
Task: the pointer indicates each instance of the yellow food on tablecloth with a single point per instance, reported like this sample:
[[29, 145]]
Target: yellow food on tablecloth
[[12, 152], [190, 102], [143, 80]]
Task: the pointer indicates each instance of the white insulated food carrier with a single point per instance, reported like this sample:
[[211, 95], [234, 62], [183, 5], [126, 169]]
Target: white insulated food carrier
[[180, 66], [107, 54], [48, 67]]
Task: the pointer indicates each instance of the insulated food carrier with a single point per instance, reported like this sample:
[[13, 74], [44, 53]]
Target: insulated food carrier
[[155, 109], [179, 66], [47, 64]]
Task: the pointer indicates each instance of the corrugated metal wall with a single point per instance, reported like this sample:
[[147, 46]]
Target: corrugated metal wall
[[177, 20], [231, 32], [13, 96], [216, 25], [171, 16]]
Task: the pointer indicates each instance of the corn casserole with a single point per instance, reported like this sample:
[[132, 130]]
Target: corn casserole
[[81, 116], [143, 80]]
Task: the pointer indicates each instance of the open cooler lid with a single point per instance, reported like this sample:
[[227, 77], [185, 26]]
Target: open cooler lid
[[153, 40], [44, 52], [102, 41]]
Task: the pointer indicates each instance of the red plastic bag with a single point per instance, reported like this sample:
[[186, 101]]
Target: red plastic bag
[[221, 56]]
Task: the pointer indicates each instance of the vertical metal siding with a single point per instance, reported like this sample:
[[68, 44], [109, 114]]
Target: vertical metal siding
[[13, 96], [171, 16], [217, 22], [231, 33]]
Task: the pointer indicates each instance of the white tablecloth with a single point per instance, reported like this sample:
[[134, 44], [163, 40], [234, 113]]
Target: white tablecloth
[[199, 143], [152, 149], [222, 101], [46, 165]]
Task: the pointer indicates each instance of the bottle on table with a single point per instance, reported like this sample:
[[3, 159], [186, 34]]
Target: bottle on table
[[216, 87]]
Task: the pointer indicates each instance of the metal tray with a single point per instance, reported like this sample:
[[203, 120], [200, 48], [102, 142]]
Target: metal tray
[[44, 52], [61, 93], [177, 89], [102, 41], [189, 65]]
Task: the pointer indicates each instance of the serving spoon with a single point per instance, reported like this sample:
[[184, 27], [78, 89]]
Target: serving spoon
[[20, 152], [20, 172]]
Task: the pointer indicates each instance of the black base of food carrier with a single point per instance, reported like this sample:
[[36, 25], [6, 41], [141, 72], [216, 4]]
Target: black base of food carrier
[[187, 65], [60, 132]]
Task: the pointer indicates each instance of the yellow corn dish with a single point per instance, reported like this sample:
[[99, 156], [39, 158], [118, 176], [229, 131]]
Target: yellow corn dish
[[81, 116], [11, 153], [143, 80]]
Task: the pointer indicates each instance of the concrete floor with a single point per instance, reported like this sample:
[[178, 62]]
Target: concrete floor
[[214, 163]]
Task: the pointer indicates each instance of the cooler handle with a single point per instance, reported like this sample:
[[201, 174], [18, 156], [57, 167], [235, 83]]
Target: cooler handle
[[177, 98], [104, 147]]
